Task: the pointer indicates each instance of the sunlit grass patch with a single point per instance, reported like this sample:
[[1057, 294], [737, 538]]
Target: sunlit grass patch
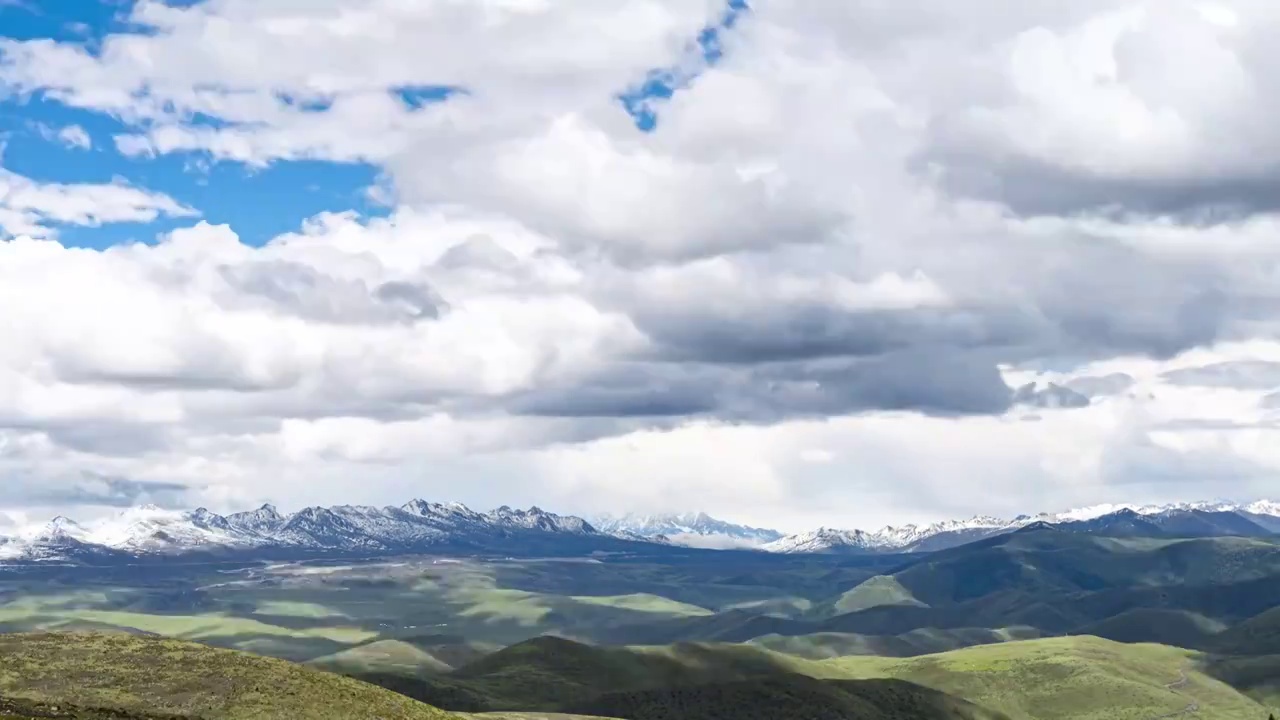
[[644, 602]]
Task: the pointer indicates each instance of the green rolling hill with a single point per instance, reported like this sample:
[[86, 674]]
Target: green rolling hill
[[790, 698], [1074, 678], [116, 675]]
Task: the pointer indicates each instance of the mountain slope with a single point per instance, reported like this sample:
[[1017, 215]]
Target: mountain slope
[[789, 697], [145, 678], [1076, 678], [691, 529], [415, 526], [1183, 520]]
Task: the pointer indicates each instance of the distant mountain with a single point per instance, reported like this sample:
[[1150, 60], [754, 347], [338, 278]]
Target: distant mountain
[[421, 526], [906, 538], [414, 527], [689, 529], [1201, 519]]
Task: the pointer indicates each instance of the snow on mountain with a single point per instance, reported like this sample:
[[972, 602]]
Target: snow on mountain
[[149, 530], [688, 529], [821, 540], [538, 519], [902, 538], [1264, 507], [256, 523], [420, 525], [915, 538]]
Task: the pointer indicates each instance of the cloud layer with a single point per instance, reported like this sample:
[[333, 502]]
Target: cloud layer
[[806, 295]]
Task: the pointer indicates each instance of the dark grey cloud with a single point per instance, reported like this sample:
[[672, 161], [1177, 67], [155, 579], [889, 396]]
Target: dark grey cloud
[[209, 366], [303, 291], [1051, 396], [902, 380], [809, 332], [93, 489], [106, 437], [480, 251], [644, 390], [1241, 374], [1032, 188], [1101, 385]]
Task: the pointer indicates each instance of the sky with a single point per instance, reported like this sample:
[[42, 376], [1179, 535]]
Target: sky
[[794, 263]]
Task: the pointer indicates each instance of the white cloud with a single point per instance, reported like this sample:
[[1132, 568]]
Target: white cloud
[[72, 136], [76, 137], [28, 207], [788, 303]]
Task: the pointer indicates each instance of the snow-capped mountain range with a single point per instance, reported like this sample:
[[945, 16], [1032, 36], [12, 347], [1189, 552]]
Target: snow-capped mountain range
[[421, 526], [1263, 514], [418, 525], [688, 529]]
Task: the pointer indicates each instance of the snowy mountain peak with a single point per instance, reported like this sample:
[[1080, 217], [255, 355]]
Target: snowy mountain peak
[[344, 528], [913, 538], [1263, 507], [820, 540], [696, 529], [419, 526], [536, 518]]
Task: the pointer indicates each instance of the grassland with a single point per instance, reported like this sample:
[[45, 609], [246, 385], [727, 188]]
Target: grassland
[[875, 592], [792, 697], [963, 621], [1077, 678], [822, 646], [383, 656], [94, 674], [645, 602]]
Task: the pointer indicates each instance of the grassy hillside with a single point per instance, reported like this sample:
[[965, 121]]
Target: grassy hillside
[[1259, 635], [874, 592], [1047, 562], [794, 697], [552, 673], [383, 656], [1077, 678], [686, 682], [1179, 628], [821, 646], [1258, 677], [93, 675]]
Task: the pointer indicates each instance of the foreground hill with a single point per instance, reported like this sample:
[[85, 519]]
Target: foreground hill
[[552, 674], [787, 697], [1072, 678], [1075, 678], [684, 682], [926, 641], [85, 675]]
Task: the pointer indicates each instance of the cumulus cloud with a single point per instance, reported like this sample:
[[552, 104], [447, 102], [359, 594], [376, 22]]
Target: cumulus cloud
[[71, 136], [32, 208], [854, 233]]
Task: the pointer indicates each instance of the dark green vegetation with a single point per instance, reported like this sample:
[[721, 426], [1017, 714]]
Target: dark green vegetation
[[1021, 625], [682, 681], [116, 675], [790, 697]]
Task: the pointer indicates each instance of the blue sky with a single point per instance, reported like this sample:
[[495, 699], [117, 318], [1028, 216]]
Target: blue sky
[[258, 203]]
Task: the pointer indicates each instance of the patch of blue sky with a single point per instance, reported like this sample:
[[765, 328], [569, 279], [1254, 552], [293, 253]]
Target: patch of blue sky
[[86, 21], [258, 203], [660, 84], [416, 97]]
